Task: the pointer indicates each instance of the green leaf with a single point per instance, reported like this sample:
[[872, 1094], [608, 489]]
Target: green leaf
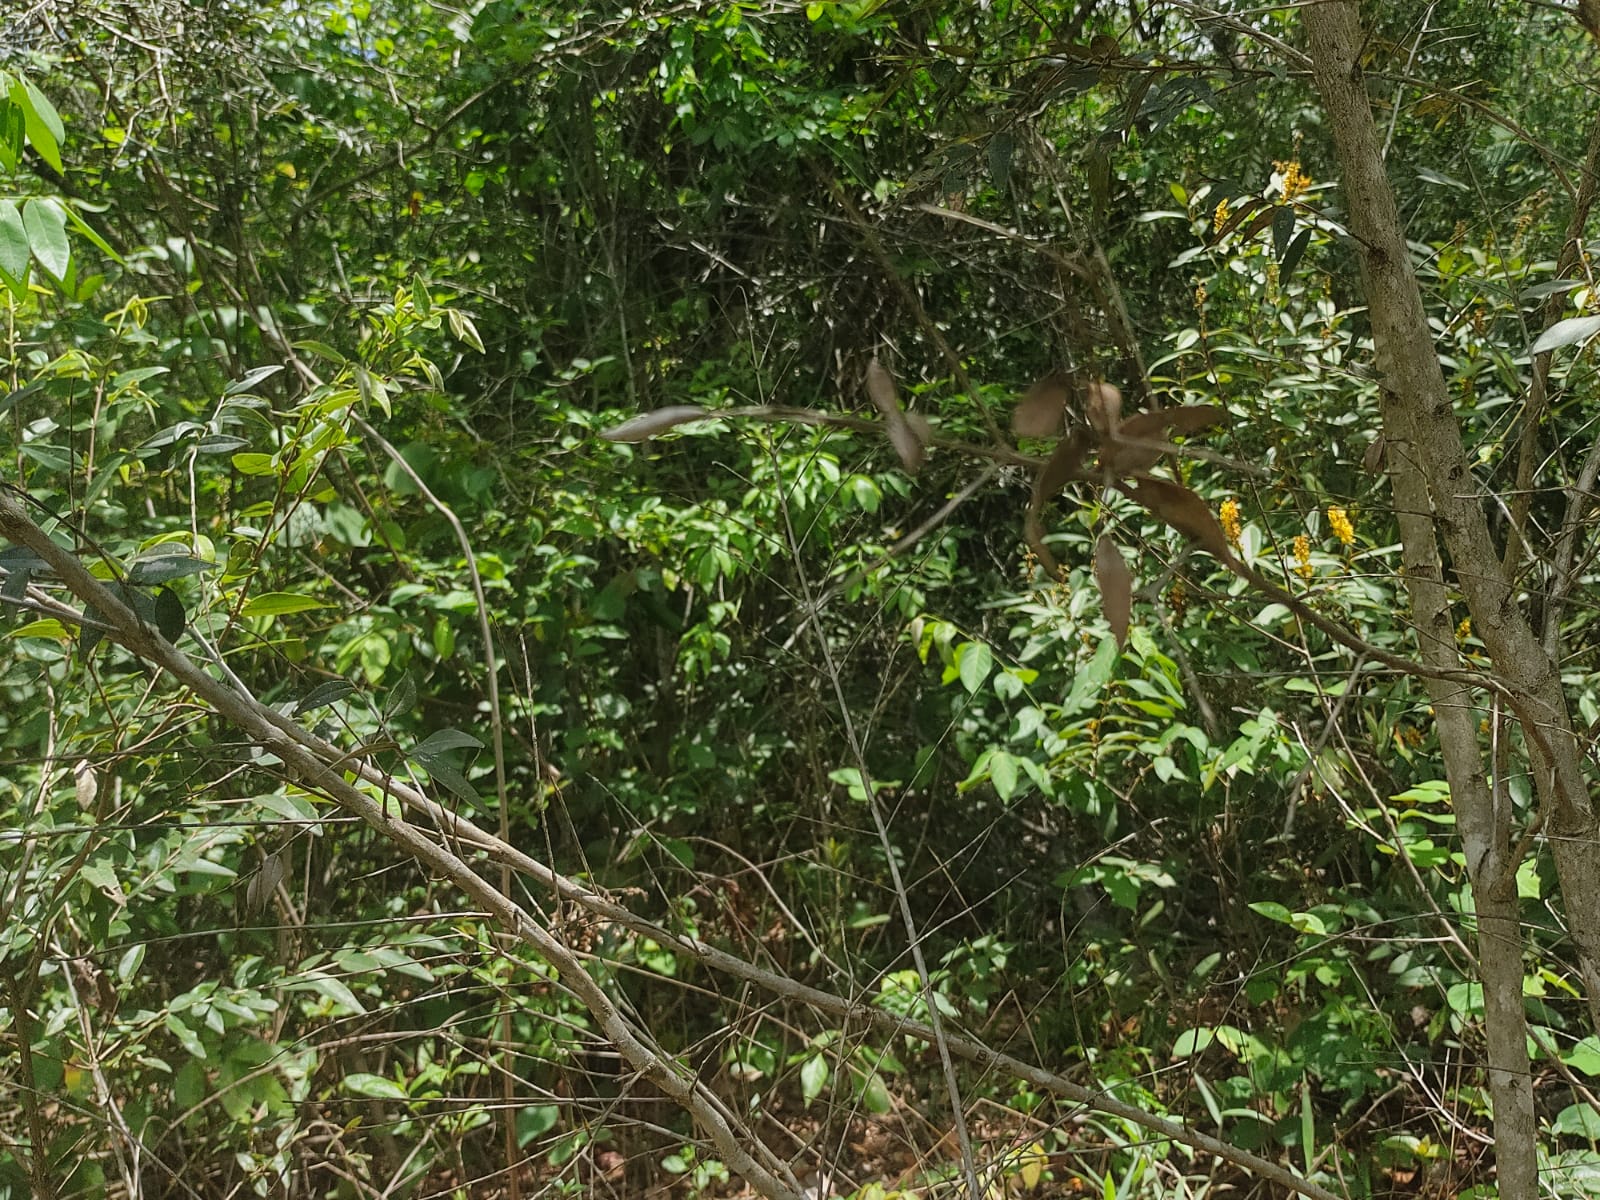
[[42, 122], [1577, 1120], [1003, 774], [276, 604], [1565, 333], [443, 741], [14, 251], [169, 616], [813, 1078], [1191, 1041], [449, 777], [324, 694], [378, 1087], [47, 235], [329, 988], [162, 567], [1273, 911], [251, 462], [974, 662], [248, 381]]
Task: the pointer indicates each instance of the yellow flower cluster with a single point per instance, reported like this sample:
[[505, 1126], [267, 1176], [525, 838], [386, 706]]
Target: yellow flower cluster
[[1219, 218], [1339, 522], [1295, 180], [1230, 522], [1302, 557], [1464, 630]]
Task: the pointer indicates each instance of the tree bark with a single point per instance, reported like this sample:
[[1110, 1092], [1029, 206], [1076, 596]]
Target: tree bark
[[1429, 474]]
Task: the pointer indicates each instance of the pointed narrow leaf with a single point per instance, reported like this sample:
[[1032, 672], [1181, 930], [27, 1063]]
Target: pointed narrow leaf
[[273, 604], [648, 425], [42, 122], [1183, 510], [250, 378], [1566, 333], [1292, 256], [1116, 587], [444, 740], [1042, 408], [324, 694]]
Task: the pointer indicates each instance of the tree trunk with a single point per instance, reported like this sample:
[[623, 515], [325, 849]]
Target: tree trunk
[[1428, 471]]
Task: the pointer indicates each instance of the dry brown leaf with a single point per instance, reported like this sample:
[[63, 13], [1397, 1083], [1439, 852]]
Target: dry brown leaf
[[1042, 408], [1139, 441], [1063, 466], [647, 425], [1183, 510], [1116, 587], [1102, 405], [1033, 533], [908, 438], [264, 883], [1372, 460]]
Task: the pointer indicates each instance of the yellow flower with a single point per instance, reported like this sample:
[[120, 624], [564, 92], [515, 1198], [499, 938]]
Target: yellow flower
[[1295, 181], [1230, 522], [1220, 216], [1464, 630], [1339, 522], [1302, 557]]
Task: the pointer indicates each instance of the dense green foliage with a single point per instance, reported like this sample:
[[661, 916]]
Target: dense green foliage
[[289, 287]]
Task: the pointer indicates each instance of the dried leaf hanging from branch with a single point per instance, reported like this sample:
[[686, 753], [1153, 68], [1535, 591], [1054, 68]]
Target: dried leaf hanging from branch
[[1043, 408], [1183, 510], [1116, 587], [648, 425], [909, 438]]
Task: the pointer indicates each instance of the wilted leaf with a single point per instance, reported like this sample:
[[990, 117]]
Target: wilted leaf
[[85, 784], [1063, 466], [1116, 587], [1183, 510], [1040, 411], [909, 440], [1138, 442], [1102, 405], [648, 425], [264, 883], [1372, 460]]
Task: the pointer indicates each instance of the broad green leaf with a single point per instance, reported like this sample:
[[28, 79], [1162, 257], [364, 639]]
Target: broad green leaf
[[1565, 333], [379, 1087], [47, 235], [976, 661], [1191, 1041], [329, 988], [276, 604], [251, 462], [1003, 774], [14, 252], [42, 122], [813, 1078]]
